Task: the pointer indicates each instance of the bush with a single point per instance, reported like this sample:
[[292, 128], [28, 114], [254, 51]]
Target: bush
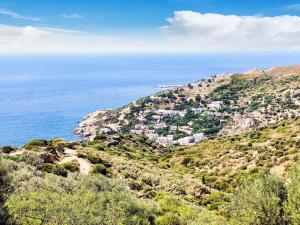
[[258, 201], [100, 169], [174, 210], [72, 145], [84, 199], [187, 160], [36, 143], [5, 188], [48, 167], [293, 203], [7, 149], [71, 166]]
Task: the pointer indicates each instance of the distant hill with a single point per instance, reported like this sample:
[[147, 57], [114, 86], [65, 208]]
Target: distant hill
[[220, 105]]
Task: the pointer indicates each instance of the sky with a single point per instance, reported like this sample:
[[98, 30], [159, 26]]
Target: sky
[[92, 26]]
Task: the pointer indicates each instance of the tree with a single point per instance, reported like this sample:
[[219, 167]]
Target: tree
[[293, 201], [5, 188], [258, 201], [76, 200]]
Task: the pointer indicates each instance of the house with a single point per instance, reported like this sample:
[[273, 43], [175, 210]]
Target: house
[[165, 112], [139, 126], [190, 123], [186, 140], [114, 127], [160, 126], [215, 105], [105, 130], [165, 140], [173, 128], [152, 136], [156, 117], [198, 137], [142, 119], [138, 132], [197, 110]]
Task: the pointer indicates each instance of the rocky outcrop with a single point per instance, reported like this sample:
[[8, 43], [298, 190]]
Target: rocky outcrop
[[88, 127]]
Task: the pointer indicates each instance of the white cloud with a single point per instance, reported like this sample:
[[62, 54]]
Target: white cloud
[[31, 39], [17, 16], [186, 31], [72, 16], [219, 32]]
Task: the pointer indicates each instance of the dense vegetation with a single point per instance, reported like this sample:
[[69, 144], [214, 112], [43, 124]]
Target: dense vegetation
[[29, 196]]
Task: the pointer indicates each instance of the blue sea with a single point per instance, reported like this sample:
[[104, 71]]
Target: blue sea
[[45, 96]]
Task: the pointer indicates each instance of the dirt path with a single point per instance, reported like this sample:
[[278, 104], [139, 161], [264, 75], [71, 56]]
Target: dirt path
[[280, 169], [70, 155], [18, 152]]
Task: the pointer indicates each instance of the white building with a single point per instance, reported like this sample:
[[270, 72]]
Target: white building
[[197, 110], [215, 105], [140, 126], [114, 127], [142, 119], [173, 128], [165, 112], [152, 136], [198, 137], [186, 140], [156, 117], [104, 130], [165, 140], [138, 132], [160, 126]]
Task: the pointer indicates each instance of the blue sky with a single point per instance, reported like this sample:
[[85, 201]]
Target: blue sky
[[138, 21]]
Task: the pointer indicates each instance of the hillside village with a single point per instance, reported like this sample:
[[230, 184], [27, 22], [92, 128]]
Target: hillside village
[[220, 105]]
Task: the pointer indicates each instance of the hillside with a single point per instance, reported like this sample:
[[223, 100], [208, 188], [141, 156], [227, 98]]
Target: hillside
[[220, 105], [244, 168]]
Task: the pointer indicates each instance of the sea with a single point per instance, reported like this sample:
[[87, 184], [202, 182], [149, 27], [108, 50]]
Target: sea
[[45, 96]]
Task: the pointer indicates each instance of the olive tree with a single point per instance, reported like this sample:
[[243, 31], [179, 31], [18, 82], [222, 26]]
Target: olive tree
[[258, 201], [293, 202]]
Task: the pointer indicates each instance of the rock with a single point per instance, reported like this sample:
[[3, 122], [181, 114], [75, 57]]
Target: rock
[[49, 158]]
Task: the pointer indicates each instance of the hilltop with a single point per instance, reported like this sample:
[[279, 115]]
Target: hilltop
[[218, 106]]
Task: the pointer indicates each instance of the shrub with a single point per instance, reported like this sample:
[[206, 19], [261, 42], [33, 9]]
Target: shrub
[[93, 158], [48, 167], [5, 188], [186, 161], [84, 199], [7, 149], [258, 201], [36, 143], [72, 145], [173, 210], [293, 202], [100, 169], [100, 137], [71, 166], [32, 158]]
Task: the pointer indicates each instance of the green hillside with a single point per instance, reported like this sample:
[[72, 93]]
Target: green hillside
[[244, 170]]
